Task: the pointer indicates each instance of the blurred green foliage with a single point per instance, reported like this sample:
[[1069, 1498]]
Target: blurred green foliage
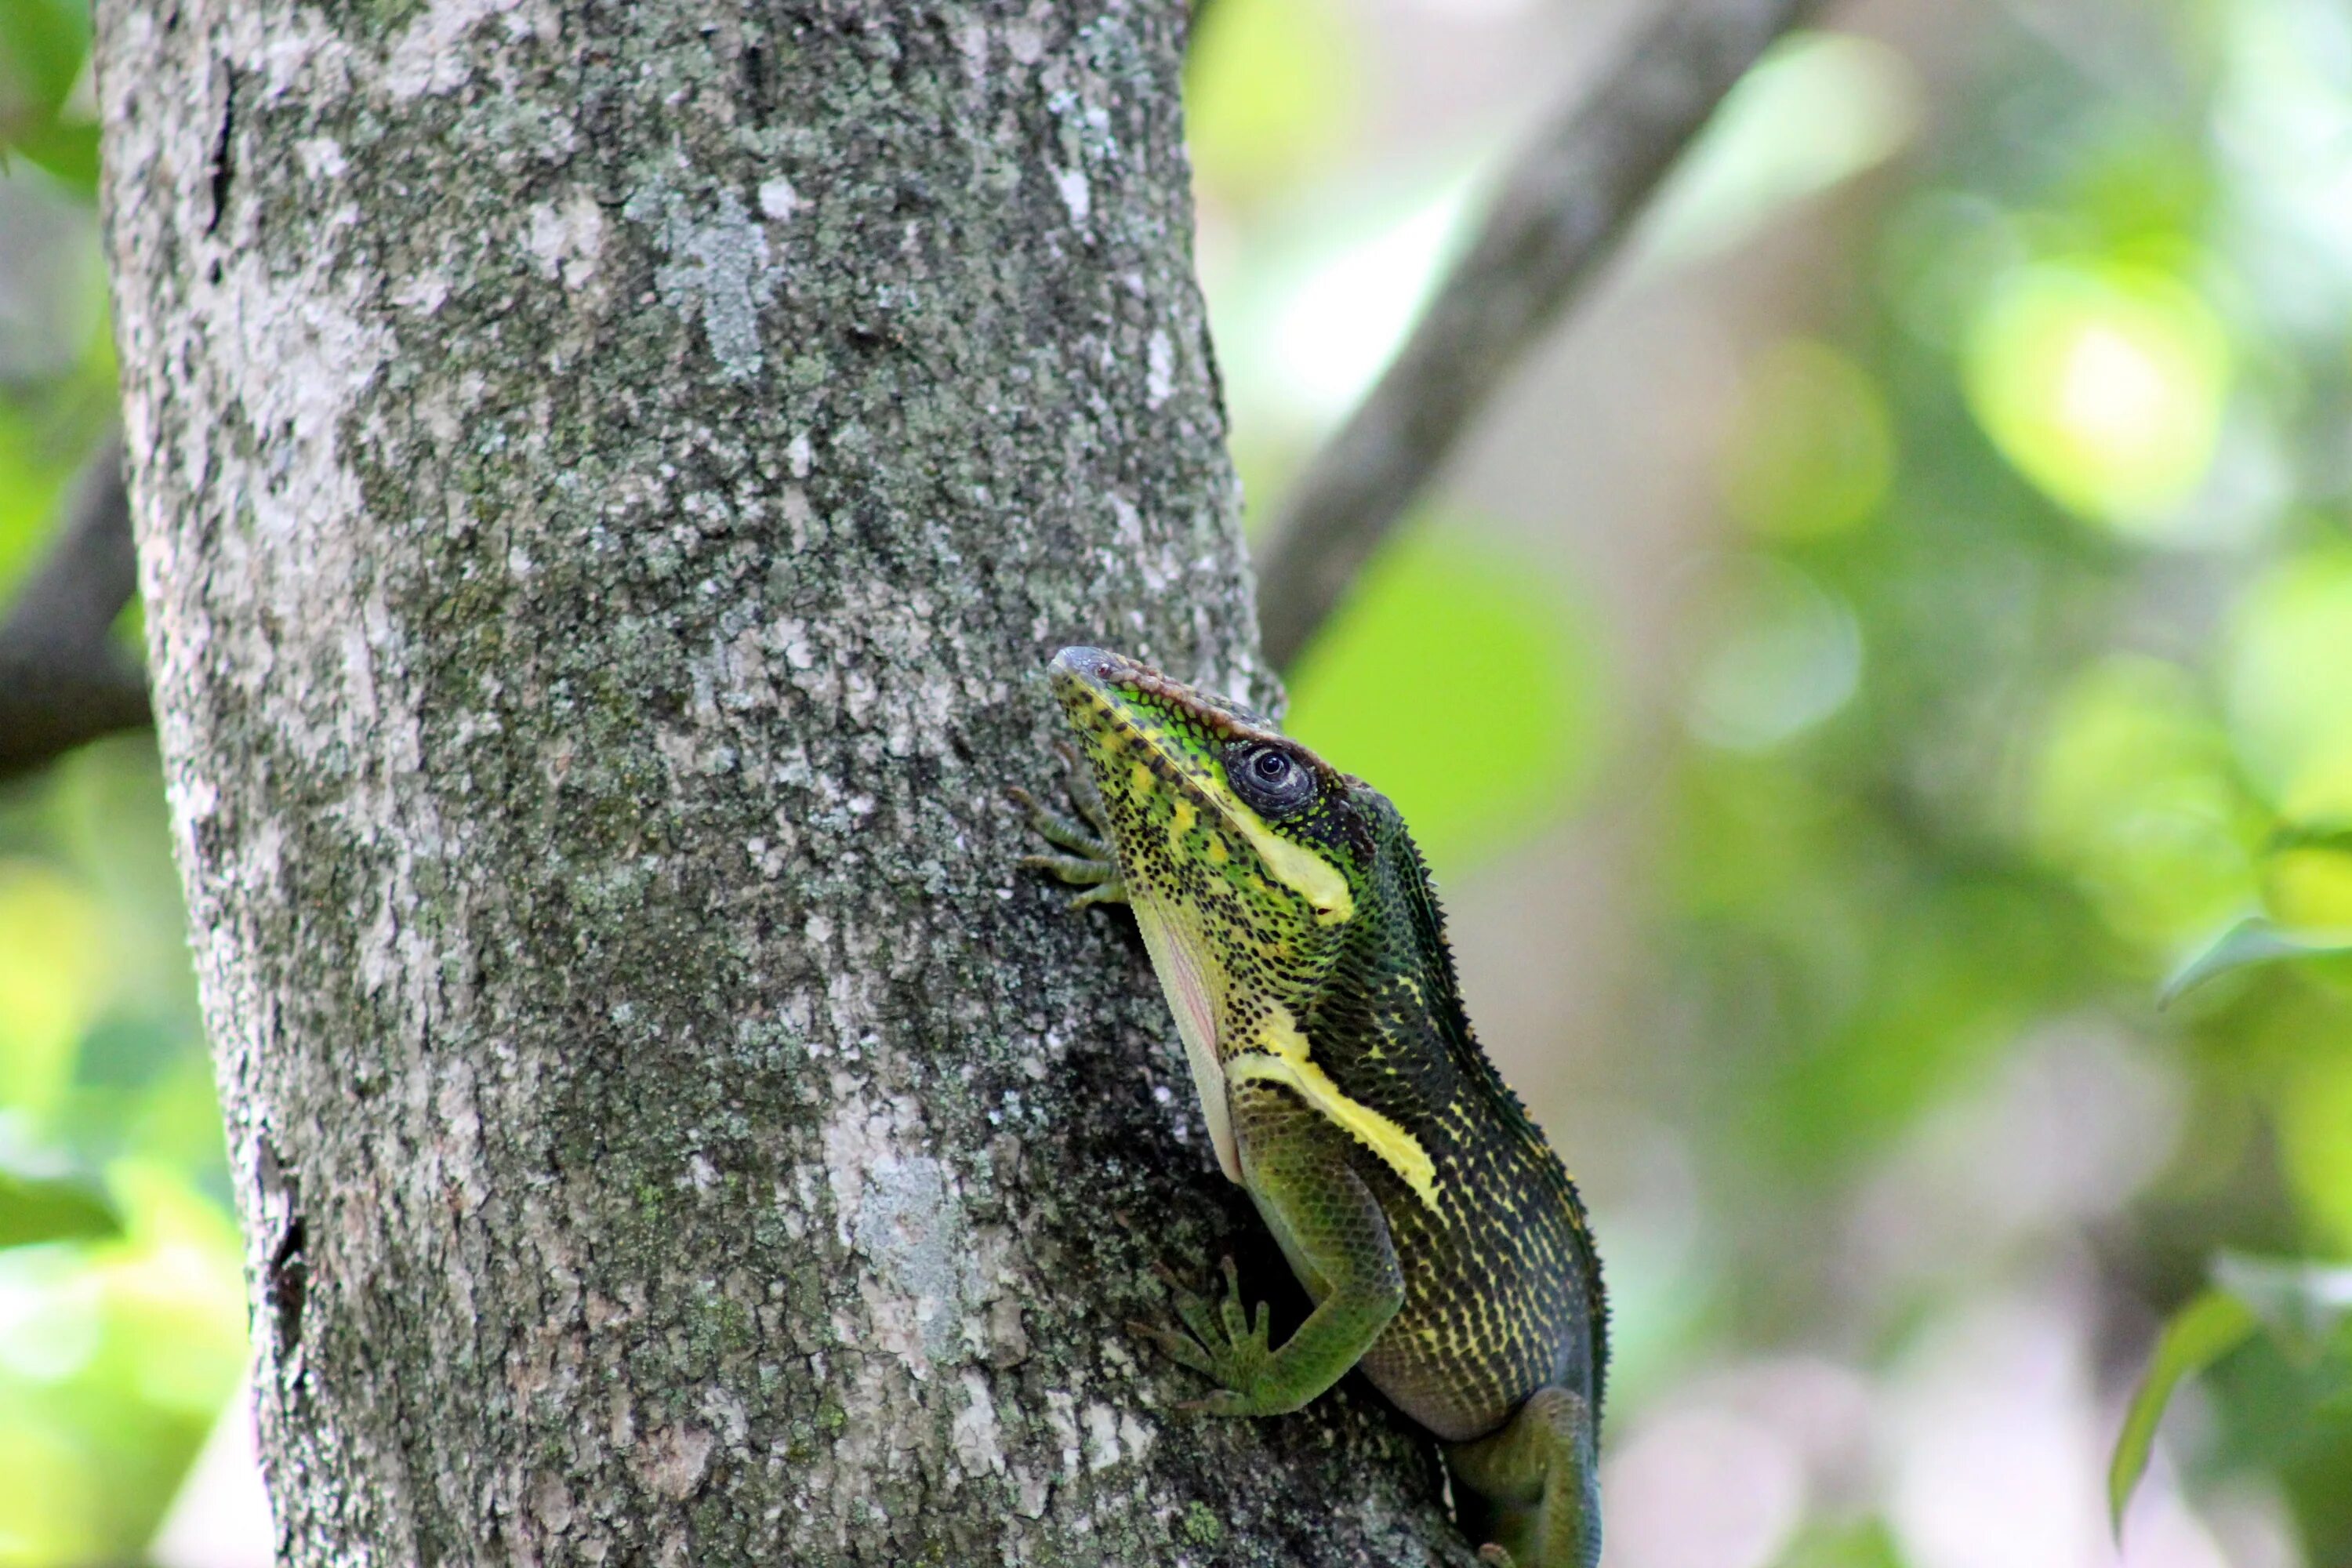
[[1487, 710], [2103, 646], [122, 1308], [47, 112], [1269, 93], [2304, 1309]]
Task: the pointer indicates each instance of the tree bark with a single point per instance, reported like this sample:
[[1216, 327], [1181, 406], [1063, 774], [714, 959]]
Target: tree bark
[[606, 478]]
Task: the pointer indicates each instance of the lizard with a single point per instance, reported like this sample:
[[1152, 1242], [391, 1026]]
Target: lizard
[[1294, 929]]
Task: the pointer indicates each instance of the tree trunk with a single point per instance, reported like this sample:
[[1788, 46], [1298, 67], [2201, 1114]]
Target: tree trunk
[[607, 477]]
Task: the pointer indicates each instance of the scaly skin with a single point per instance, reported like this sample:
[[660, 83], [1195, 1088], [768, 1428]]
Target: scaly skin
[[1294, 930]]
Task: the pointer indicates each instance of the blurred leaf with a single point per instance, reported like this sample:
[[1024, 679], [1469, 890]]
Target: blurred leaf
[[2210, 1326], [2103, 383], [1329, 317], [1840, 1544], [2252, 941], [52, 968], [43, 46], [174, 1297], [52, 1503], [2305, 1306], [1269, 91], [1459, 684], [43, 61], [2313, 1111], [1818, 108], [1814, 452], [67, 152], [2290, 684], [2307, 879], [35, 1208], [32, 484], [2135, 796]]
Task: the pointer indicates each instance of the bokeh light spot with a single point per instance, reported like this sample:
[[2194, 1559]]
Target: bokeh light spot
[[2103, 386], [2290, 687], [1459, 684], [1814, 453], [1784, 653]]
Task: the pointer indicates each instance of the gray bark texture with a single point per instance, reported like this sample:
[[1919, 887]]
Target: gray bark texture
[[607, 476]]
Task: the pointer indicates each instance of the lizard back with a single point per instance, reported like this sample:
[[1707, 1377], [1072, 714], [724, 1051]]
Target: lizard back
[[1503, 1287]]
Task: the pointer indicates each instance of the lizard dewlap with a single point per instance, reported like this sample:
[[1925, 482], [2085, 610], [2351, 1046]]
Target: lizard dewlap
[[1293, 928]]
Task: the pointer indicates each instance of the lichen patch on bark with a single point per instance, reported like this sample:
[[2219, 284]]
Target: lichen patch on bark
[[717, 272]]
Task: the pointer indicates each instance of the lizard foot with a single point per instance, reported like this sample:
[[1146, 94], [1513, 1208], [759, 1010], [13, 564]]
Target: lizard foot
[[1221, 1342], [1087, 859]]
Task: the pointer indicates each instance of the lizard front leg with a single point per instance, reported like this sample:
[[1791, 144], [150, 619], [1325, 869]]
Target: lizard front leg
[[1087, 859], [1539, 1481], [1297, 1166]]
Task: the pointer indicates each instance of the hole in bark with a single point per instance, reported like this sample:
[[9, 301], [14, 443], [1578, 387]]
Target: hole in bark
[[289, 1280], [223, 161]]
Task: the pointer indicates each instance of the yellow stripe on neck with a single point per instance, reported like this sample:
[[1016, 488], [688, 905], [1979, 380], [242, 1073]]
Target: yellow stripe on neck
[[1280, 1056], [1300, 869]]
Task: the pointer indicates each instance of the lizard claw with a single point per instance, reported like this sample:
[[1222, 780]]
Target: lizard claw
[[1181, 1349], [1083, 855], [1220, 1340]]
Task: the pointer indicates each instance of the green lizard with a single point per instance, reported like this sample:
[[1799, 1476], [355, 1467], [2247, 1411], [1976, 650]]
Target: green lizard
[[1292, 925]]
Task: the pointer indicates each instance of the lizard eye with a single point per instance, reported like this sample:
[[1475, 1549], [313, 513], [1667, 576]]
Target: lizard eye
[[1269, 779]]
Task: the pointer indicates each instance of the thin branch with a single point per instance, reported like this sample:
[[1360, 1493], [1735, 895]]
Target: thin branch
[[62, 681], [1570, 196]]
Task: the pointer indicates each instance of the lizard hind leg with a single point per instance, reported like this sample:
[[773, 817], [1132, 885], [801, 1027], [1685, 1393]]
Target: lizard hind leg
[[1535, 1484]]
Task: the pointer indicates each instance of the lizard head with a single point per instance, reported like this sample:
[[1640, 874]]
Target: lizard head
[[1219, 819], [1244, 856]]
